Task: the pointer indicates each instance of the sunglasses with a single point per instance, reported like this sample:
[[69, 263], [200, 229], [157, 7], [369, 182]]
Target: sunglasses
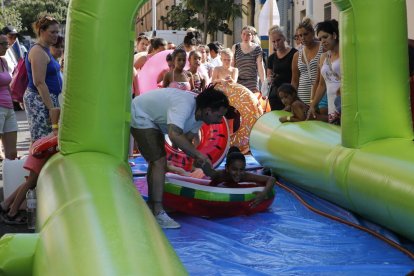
[[4, 43]]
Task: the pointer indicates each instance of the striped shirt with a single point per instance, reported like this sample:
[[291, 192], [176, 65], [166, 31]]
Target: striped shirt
[[247, 65], [306, 79]]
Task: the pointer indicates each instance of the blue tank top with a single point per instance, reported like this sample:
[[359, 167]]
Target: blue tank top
[[53, 77]]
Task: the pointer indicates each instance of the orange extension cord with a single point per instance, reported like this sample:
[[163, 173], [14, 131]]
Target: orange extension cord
[[390, 242]]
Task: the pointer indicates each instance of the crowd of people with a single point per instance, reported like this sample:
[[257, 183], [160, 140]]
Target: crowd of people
[[304, 78]]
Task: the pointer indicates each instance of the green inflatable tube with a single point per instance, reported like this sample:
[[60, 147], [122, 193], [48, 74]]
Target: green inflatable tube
[[91, 220], [367, 167]]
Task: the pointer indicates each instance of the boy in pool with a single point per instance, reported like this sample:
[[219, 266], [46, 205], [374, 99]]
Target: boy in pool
[[235, 173]]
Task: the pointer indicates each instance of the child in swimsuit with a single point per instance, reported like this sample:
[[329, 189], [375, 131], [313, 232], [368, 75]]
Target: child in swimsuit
[[200, 80], [226, 73], [235, 173], [290, 99], [179, 78]]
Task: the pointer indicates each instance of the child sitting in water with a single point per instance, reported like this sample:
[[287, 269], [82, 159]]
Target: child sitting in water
[[235, 173], [290, 99], [179, 78]]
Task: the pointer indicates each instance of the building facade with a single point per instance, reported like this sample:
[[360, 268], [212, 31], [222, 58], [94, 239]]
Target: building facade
[[291, 13]]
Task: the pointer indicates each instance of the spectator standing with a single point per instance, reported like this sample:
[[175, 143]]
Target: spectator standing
[[330, 70], [279, 67], [45, 81], [8, 122], [248, 59], [16, 51], [305, 61]]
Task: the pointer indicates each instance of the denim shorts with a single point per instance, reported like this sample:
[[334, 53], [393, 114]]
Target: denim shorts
[[8, 121]]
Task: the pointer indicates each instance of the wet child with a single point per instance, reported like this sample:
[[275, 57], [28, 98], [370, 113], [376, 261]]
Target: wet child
[[200, 80], [226, 73], [179, 78], [235, 172], [290, 99]]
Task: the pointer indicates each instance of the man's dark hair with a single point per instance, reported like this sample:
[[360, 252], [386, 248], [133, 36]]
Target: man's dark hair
[[212, 98], [215, 46]]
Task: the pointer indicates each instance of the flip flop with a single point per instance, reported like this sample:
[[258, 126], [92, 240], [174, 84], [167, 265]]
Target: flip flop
[[18, 219]]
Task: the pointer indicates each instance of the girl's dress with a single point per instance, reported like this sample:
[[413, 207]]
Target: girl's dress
[[308, 72]]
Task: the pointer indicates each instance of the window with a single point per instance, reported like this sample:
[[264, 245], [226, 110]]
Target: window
[[327, 11]]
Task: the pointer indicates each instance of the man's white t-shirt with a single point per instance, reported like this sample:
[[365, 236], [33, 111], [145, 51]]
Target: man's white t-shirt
[[161, 107]]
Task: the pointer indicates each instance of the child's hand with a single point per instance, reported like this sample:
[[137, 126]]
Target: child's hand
[[260, 197], [283, 119], [197, 173]]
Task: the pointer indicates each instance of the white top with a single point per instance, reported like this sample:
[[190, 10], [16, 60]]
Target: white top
[[331, 72], [214, 62], [161, 107]]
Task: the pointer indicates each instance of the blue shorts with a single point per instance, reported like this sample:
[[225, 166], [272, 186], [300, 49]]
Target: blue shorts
[[323, 103]]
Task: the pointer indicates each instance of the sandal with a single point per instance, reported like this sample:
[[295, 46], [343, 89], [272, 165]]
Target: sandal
[[19, 218]]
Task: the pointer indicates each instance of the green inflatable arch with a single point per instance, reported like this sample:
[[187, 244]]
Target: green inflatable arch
[[91, 220], [368, 167]]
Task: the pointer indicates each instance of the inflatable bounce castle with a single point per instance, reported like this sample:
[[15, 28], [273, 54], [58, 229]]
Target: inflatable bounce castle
[[92, 221]]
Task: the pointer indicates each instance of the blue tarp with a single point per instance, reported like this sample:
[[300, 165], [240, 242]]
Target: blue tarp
[[287, 240]]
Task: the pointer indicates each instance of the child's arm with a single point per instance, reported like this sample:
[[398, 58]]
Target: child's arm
[[166, 80], [235, 74], [176, 170], [161, 76], [214, 75], [190, 79], [298, 113], [268, 181]]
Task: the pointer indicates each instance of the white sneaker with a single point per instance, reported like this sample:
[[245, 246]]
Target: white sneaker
[[165, 221]]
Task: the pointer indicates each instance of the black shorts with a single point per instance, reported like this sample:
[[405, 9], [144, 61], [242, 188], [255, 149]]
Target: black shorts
[[151, 143]]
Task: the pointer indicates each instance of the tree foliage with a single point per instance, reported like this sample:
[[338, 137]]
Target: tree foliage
[[30, 10], [208, 15], [10, 16]]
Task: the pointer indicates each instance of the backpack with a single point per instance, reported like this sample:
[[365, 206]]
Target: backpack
[[19, 81]]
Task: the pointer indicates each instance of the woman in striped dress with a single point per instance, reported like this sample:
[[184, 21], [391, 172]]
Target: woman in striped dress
[[248, 59], [305, 61]]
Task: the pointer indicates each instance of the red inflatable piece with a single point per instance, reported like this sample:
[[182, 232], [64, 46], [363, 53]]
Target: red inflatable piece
[[45, 146], [214, 144]]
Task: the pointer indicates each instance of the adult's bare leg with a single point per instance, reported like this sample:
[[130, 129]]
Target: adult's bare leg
[[156, 180]]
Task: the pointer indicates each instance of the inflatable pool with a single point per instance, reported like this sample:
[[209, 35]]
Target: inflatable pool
[[195, 197]]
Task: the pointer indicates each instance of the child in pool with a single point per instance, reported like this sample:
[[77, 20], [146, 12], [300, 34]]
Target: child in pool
[[200, 80], [226, 73], [235, 172], [179, 78], [290, 99]]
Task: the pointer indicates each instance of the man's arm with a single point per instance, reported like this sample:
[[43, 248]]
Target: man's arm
[[178, 138]]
